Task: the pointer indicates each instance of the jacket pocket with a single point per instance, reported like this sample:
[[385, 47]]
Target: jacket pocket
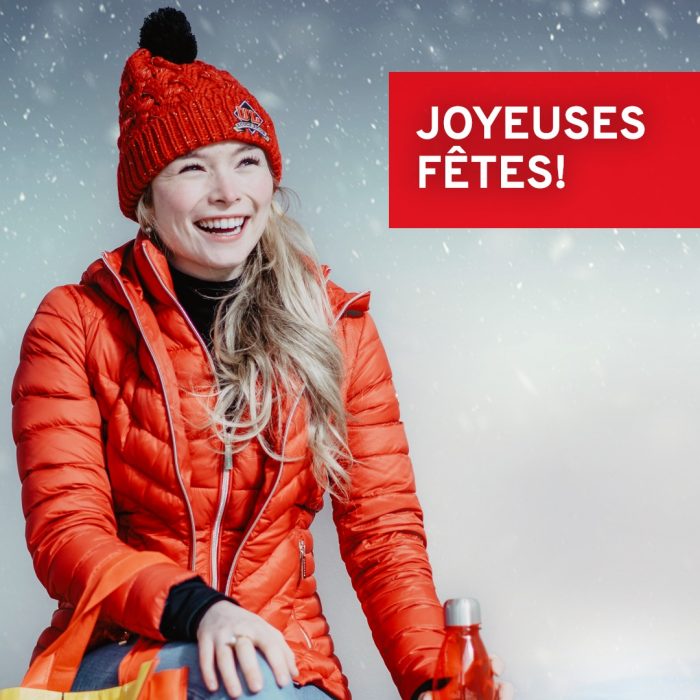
[[304, 633]]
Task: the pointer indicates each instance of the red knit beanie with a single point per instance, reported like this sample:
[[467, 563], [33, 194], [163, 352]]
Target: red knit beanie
[[171, 104]]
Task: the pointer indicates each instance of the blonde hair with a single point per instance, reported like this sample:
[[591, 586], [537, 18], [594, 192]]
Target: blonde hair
[[272, 338]]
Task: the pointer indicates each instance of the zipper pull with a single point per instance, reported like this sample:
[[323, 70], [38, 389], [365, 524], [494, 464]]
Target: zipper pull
[[302, 559], [228, 454]]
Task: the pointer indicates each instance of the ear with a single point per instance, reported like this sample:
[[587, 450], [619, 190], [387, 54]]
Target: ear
[[145, 211]]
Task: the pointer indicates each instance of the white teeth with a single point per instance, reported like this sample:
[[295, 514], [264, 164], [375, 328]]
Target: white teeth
[[216, 224]]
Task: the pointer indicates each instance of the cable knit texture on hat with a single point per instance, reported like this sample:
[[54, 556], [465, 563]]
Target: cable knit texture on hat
[[168, 109]]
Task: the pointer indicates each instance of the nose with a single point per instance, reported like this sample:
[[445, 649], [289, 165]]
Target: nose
[[225, 188]]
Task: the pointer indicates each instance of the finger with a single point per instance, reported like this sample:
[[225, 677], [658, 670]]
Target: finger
[[206, 663], [506, 691], [277, 659], [291, 661], [247, 659], [497, 665], [227, 669]]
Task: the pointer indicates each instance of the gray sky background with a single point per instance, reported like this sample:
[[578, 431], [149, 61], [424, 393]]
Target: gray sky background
[[549, 379]]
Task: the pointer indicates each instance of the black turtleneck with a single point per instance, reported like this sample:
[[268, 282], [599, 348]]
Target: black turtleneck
[[188, 601], [199, 299]]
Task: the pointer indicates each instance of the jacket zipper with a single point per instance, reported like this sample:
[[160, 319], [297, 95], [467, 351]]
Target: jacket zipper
[[249, 531], [302, 576], [228, 452], [302, 560], [193, 532], [225, 478]]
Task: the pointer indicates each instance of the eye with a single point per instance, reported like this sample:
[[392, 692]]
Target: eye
[[250, 160], [191, 166]]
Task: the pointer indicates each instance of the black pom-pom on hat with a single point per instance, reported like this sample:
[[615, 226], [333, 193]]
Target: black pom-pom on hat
[[167, 33]]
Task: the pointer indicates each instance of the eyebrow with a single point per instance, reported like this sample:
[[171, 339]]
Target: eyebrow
[[197, 153]]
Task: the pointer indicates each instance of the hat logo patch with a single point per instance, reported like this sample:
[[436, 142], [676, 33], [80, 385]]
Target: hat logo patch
[[249, 120]]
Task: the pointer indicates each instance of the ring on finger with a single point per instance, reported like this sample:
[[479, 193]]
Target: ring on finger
[[234, 639]]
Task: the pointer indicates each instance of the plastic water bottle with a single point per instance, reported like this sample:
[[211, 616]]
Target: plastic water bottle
[[464, 669]]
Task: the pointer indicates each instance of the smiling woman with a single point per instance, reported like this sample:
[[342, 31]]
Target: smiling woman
[[201, 389], [210, 208]]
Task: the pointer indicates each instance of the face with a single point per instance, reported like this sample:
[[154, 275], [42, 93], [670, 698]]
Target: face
[[211, 207]]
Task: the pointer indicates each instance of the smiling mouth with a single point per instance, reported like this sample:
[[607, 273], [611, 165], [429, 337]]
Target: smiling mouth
[[230, 226]]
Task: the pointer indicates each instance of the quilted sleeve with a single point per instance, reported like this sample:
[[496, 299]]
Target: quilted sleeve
[[66, 496], [380, 525]]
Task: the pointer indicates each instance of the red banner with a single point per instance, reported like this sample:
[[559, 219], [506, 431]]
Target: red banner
[[544, 150]]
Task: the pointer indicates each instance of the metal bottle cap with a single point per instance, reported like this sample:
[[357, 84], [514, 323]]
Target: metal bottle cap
[[462, 612]]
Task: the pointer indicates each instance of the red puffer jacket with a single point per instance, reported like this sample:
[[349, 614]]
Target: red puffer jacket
[[114, 453]]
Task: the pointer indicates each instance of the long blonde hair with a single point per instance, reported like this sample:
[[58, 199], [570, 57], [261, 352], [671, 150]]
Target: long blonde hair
[[273, 338]]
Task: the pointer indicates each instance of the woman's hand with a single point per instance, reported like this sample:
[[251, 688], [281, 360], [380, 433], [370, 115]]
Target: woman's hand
[[505, 691], [228, 634]]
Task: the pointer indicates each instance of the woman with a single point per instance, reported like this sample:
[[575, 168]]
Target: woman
[[196, 393]]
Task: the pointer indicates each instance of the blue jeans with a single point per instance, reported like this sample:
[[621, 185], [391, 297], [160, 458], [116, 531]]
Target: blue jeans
[[100, 668]]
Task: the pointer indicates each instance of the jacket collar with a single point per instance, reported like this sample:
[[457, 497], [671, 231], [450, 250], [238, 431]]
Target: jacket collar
[[143, 269]]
